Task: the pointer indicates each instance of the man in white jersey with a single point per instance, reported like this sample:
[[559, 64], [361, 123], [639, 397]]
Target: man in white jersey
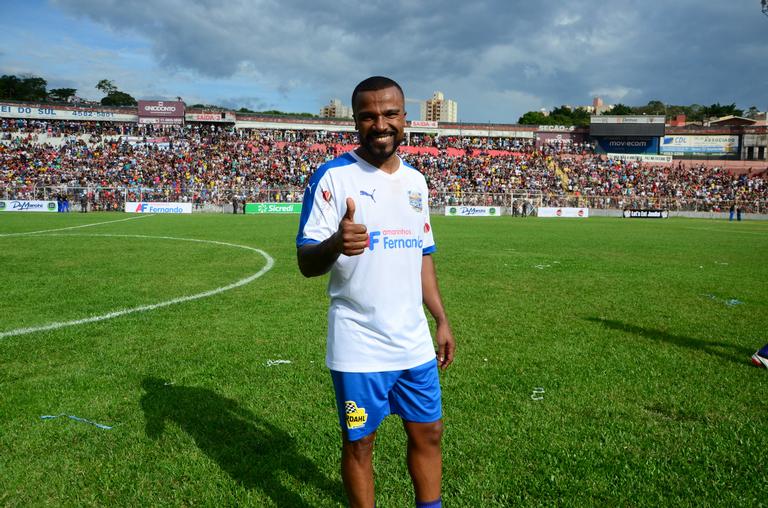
[[365, 218]]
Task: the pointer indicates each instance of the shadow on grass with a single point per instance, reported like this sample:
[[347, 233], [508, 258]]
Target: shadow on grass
[[739, 354], [251, 450]]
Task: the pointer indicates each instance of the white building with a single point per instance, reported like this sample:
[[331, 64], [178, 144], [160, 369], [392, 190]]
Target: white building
[[335, 109], [439, 109]]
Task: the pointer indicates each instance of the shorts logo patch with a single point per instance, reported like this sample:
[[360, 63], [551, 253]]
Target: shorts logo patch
[[355, 416], [414, 199]]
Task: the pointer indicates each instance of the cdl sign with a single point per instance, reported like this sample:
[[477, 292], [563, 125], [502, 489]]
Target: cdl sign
[[564, 211], [154, 207]]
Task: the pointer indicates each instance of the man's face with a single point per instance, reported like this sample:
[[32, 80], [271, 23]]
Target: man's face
[[380, 122]]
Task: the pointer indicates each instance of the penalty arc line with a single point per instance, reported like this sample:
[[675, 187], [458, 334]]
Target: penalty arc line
[[143, 308]]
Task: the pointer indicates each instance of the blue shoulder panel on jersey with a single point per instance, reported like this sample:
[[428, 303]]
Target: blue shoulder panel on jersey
[[408, 165], [309, 194]]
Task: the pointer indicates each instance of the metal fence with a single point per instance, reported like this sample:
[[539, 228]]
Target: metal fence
[[220, 199]]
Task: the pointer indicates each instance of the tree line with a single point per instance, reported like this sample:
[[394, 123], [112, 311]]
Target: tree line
[[565, 115], [28, 88], [35, 89]]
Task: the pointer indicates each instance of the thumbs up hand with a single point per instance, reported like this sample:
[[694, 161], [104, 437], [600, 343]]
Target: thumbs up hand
[[351, 238]]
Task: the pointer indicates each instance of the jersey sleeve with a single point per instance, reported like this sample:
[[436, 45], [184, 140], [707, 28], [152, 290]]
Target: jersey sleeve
[[319, 216]]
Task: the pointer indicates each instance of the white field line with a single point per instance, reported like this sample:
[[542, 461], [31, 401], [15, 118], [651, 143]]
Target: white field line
[[74, 227], [143, 308], [745, 231]]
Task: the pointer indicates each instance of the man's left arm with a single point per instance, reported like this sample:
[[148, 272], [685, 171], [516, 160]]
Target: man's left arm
[[446, 344]]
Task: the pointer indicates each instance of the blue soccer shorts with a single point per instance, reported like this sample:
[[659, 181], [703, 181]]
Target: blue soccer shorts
[[364, 399]]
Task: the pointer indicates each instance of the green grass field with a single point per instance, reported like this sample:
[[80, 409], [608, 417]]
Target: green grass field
[[649, 397]]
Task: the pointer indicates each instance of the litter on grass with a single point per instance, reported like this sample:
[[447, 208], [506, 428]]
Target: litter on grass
[[271, 363], [731, 302], [538, 393], [541, 267], [77, 419]]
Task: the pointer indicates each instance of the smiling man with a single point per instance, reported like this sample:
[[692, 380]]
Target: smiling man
[[365, 218]]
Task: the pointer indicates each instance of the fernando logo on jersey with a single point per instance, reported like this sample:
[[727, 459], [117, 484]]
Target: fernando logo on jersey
[[391, 239]]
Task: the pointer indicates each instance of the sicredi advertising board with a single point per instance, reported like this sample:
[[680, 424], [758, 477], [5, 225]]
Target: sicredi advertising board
[[273, 208], [24, 205], [155, 207]]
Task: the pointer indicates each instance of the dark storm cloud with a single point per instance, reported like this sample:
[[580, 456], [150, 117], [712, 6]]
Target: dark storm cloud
[[496, 58]]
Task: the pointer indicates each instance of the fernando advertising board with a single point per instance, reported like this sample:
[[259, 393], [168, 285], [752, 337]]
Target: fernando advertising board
[[564, 211], [23, 205], [700, 145], [473, 211], [155, 207], [273, 208]]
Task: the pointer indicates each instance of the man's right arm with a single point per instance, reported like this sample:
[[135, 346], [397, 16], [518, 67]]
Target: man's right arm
[[350, 239]]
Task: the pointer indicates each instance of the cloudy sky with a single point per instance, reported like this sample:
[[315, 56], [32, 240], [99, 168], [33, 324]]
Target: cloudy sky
[[496, 58]]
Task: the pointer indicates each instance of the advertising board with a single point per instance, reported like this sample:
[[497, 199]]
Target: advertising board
[[273, 208], [639, 157], [161, 112], [221, 117], [427, 124], [155, 207], [563, 212], [622, 144], [700, 145], [473, 211], [646, 214], [51, 113], [24, 205]]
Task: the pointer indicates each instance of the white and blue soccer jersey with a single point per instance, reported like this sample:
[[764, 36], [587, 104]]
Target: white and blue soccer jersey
[[376, 320]]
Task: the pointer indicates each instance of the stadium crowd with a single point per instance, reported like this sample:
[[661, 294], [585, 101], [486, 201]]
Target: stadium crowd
[[213, 165]]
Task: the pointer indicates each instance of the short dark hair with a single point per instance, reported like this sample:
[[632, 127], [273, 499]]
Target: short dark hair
[[372, 84]]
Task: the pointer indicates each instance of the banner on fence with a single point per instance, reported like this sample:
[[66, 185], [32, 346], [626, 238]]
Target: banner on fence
[[23, 205], [473, 211], [273, 208], [563, 211], [646, 214], [639, 157], [154, 207]]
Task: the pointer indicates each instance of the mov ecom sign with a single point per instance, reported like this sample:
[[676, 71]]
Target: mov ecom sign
[[161, 112]]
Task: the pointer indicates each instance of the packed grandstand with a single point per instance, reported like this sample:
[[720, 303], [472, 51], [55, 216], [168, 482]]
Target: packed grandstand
[[210, 165]]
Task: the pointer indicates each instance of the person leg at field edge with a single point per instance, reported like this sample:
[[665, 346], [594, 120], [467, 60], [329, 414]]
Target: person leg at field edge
[[329, 239]]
